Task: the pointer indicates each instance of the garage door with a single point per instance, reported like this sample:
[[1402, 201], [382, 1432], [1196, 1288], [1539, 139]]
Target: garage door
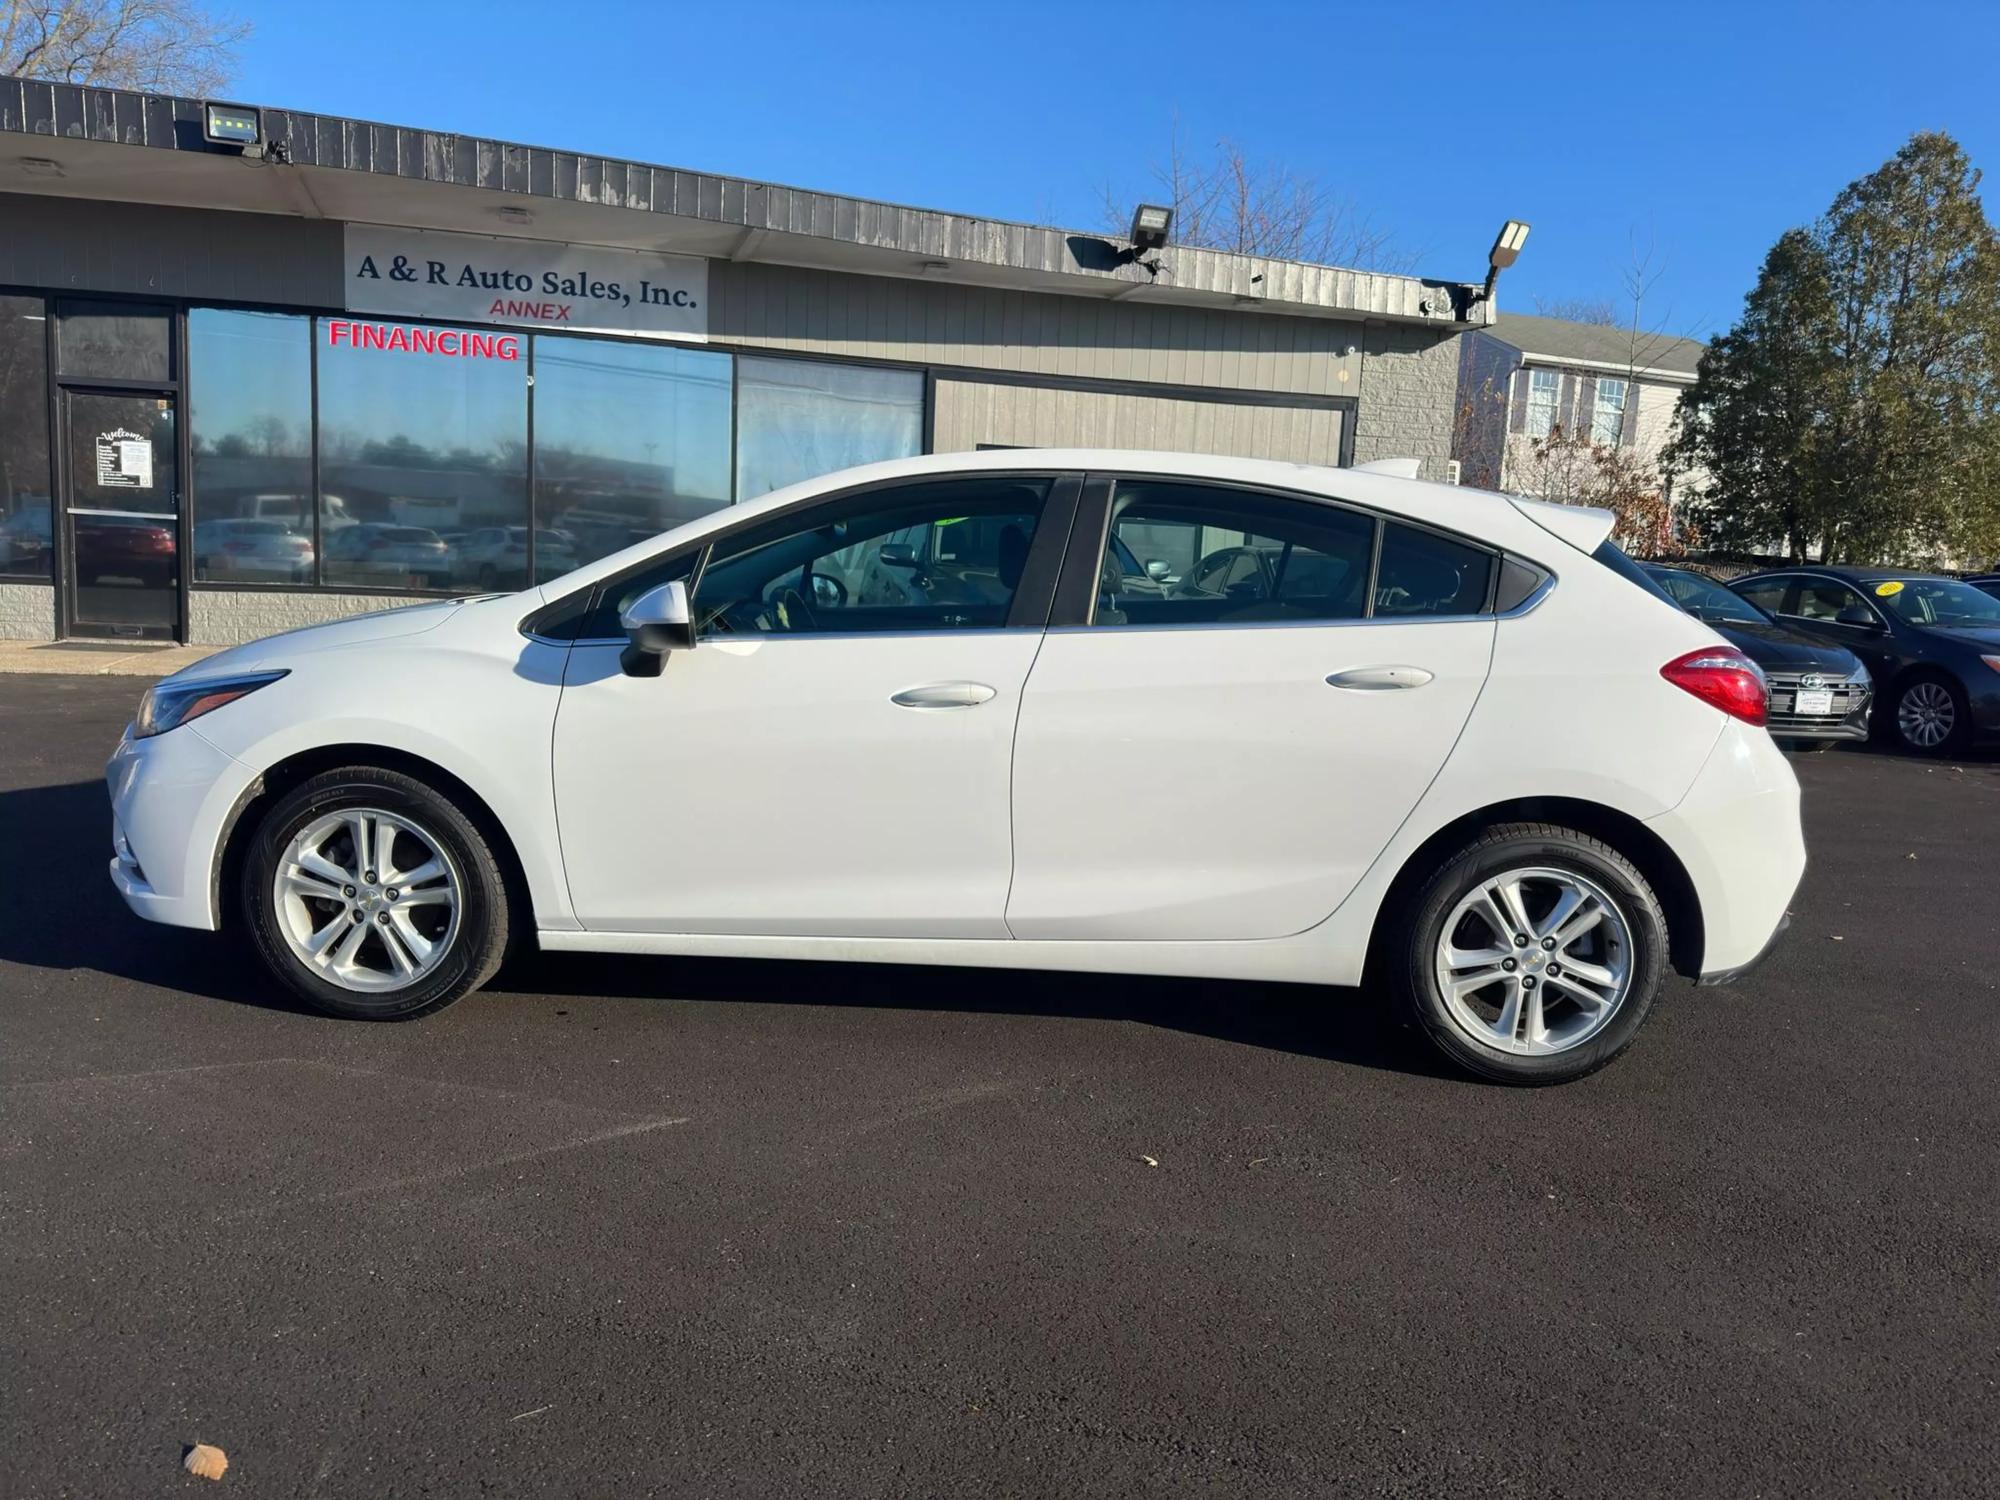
[[973, 413]]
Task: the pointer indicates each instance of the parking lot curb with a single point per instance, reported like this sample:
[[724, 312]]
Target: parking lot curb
[[99, 658]]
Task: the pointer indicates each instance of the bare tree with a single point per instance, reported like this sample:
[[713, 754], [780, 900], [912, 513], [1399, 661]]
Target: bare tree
[[1227, 201], [165, 46]]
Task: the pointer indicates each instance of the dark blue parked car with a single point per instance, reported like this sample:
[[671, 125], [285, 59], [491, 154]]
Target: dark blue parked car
[[1820, 692], [1931, 643]]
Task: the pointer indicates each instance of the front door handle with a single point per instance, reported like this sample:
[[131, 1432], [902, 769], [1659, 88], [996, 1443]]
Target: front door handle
[[1379, 679], [934, 696]]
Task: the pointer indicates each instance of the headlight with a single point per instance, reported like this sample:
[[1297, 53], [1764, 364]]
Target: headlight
[[167, 705], [1992, 661]]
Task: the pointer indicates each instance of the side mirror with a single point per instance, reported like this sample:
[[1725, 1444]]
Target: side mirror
[[897, 555], [1856, 614], [658, 621], [1159, 569]]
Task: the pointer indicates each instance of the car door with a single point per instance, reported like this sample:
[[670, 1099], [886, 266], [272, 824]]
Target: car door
[[1193, 766], [1836, 611], [820, 763]]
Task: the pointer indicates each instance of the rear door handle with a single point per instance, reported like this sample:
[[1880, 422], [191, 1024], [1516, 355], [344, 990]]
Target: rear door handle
[[935, 696], [1379, 679]]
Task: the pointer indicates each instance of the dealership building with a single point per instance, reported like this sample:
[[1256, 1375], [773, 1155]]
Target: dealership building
[[260, 368]]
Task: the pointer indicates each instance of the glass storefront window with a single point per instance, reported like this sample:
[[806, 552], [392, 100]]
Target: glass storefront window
[[26, 517], [250, 389], [423, 443], [630, 440], [797, 419]]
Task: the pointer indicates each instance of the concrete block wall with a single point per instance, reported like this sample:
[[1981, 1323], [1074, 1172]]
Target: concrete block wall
[[1409, 391], [228, 617], [27, 612]]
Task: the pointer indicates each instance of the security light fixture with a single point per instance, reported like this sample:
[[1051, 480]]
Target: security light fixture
[[235, 125], [1506, 250], [1150, 223]]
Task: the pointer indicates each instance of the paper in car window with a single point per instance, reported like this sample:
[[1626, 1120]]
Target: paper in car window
[[1888, 590]]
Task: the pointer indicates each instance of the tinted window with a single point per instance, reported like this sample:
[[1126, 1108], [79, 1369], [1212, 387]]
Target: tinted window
[[1821, 599], [1706, 599], [1204, 555], [426, 427], [25, 550], [798, 419], [1423, 573], [941, 556], [251, 418], [630, 440], [1613, 557], [1768, 594]]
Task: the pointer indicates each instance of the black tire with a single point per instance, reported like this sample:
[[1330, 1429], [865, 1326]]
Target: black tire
[[476, 948], [1412, 954], [1961, 714]]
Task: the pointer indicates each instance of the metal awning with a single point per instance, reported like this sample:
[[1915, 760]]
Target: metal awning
[[76, 141]]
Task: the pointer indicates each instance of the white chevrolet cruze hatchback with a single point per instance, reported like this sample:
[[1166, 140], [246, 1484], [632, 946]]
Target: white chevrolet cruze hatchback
[[1107, 711]]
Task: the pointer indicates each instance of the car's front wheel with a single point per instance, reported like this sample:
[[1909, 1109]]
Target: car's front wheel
[[1533, 954], [372, 896], [1931, 716]]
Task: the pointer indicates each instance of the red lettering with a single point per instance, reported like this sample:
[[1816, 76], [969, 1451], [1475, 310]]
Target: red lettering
[[424, 339], [507, 348], [336, 329], [443, 334], [373, 336]]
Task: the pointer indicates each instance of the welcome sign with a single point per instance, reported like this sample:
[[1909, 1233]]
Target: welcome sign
[[476, 278]]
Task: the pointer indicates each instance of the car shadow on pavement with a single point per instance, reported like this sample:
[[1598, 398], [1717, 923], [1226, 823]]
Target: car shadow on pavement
[[58, 911]]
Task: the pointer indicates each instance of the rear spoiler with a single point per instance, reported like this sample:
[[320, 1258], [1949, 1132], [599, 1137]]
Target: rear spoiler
[[1584, 527]]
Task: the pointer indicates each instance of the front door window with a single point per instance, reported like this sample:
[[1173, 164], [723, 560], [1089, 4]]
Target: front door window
[[121, 496]]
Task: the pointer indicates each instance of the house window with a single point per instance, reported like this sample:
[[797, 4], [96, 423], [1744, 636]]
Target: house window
[[1544, 392], [1607, 420]]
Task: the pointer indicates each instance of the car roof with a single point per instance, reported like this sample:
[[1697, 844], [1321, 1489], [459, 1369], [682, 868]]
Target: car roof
[[1845, 572]]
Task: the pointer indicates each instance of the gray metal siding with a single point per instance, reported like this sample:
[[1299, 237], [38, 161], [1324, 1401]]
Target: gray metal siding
[[1076, 338], [86, 245], [970, 412], [82, 244]]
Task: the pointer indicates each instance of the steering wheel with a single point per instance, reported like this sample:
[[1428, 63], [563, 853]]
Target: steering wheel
[[791, 611]]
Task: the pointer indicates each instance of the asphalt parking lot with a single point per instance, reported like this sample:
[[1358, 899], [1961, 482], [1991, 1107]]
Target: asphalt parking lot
[[656, 1227]]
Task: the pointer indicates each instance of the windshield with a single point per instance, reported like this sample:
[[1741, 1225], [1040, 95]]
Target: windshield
[[1707, 600], [1936, 601]]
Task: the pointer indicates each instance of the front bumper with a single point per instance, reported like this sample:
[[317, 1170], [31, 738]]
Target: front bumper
[[171, 795]]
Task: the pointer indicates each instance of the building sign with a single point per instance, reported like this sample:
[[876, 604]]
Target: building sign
[[124, 460], [476, 278], [393, 338]]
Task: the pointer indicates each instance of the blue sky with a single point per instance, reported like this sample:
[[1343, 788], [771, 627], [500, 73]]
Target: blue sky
[[1696, 131]]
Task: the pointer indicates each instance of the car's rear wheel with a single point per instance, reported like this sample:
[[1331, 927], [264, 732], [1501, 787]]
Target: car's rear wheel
[[372, 896], [1533, 955], [1931, 716]]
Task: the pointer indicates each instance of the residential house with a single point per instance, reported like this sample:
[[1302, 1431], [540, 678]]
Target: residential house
[[1525, 379]]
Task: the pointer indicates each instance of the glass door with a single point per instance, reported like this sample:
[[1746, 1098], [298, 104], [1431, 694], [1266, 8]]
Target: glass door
[[121, 514]]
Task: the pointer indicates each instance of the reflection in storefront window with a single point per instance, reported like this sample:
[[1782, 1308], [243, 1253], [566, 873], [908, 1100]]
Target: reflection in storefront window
[[250, 430], [798, 419], [423, 443], [630, 440], [25, 513]]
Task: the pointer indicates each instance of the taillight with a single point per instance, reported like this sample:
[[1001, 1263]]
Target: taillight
[[1725, 678]]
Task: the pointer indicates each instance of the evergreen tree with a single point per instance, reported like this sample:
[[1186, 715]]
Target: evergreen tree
[[1854, 409]]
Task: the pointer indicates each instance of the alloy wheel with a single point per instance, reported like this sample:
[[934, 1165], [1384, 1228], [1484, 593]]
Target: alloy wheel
[[368, 900], [1534, 961], [1926, 715]]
